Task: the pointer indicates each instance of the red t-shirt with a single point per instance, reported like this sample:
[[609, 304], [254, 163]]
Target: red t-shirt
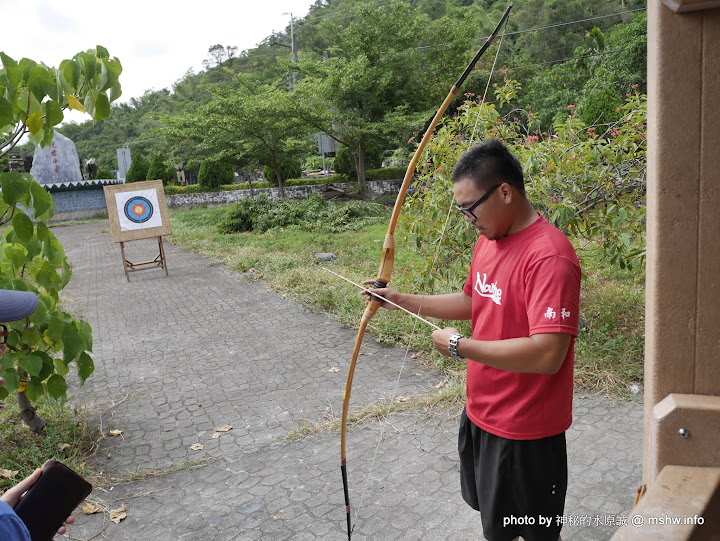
[[524, 284]]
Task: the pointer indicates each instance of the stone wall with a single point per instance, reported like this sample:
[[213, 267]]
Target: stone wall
[[76, 204]]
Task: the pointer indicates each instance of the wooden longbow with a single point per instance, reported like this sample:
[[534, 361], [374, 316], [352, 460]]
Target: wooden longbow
[[388, 257]]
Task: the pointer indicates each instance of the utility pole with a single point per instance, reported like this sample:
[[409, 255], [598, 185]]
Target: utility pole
[[293, 46]]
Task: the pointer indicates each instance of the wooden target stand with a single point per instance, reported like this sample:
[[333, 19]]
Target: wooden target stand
[[138, 211]]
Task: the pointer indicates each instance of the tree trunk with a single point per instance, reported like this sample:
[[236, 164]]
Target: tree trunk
[[278, 176], [361, 168], [28, 413]]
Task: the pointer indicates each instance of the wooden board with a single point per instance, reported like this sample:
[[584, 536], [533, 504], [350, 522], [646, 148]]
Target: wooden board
[[120, 235]]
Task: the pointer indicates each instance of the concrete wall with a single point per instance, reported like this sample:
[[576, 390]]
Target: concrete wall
[[683, 228], [72, 205]]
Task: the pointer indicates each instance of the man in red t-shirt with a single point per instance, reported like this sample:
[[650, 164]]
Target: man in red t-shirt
[[522, 296]]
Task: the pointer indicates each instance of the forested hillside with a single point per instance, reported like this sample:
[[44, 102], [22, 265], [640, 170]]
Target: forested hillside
[[388, 64]]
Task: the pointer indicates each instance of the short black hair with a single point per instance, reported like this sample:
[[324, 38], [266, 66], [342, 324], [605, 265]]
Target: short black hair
[[489, 163]]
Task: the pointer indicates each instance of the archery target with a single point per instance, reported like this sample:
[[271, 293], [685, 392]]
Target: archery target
[[138, 210]]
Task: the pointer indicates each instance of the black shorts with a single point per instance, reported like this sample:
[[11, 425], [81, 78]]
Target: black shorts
[[517, 485]]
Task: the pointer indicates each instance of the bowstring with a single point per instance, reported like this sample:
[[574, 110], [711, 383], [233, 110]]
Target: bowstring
[[386, 416]]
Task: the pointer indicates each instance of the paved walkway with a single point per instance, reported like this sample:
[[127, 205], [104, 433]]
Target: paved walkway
[[177, 357]]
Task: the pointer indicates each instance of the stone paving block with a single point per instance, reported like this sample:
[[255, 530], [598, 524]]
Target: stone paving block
[[179, 356]]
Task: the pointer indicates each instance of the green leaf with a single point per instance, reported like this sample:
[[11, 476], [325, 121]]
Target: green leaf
[[23, 226], [41, 82], [35, 389], [14, 188], [13, 72], [34, 248], [71, 72], [48, 366], [32, 337], [55, 329], [85, 366], [86, 331], [31, 363], [42, 229], [42, 203], [102, 107], [15, 254], [53, 113], [6, 112], [12, 379], [101, 51], [56, 386], [88, 64], [47, 278], [54, 251], [115, 92], [61, 368], [73, 344], [66, 275], [40, 314]]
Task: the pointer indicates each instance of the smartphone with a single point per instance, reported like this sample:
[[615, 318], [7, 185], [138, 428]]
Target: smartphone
[[51, 500]]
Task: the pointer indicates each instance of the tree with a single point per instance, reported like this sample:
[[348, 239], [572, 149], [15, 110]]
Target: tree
[[249, 123], [160, 170], [41, 348], [591, 184], [33, 96], [376, 84], [138, 169]]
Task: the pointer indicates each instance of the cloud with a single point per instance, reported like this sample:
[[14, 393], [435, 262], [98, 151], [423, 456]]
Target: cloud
[[54, 20], [149, 48]]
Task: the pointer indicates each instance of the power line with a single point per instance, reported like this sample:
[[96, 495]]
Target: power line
[[527, 30], [574, 22]]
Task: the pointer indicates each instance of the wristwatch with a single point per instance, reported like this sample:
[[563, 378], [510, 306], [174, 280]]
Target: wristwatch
[[453, 345]]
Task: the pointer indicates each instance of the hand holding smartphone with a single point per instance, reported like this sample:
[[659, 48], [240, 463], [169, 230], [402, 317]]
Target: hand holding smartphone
[[51, 500]]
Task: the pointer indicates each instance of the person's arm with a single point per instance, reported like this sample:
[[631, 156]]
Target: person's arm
[[453, 306], [538, 354]]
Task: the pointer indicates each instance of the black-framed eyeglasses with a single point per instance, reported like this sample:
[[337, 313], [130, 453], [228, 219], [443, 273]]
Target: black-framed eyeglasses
[[3, 334], [468, 211]]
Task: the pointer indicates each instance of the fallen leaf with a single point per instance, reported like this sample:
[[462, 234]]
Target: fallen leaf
[[7, 474], [63, 446], [402, 398], [115, 432], [116, 515], [276, 517], [334, 369], [215, 436], [225, 428], [90, 509], [196, 447], [441, 384], [415, 356]]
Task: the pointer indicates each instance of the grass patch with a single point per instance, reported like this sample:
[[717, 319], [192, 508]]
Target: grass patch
[[67, 438], [450, 396], [609, 354]]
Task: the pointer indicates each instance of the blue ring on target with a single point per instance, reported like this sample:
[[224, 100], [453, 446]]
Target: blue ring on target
[[138, 209]]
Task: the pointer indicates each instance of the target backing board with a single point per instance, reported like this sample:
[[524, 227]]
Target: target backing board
[[137, 210]]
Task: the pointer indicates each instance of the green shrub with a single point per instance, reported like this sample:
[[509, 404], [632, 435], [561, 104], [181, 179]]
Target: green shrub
[[288, 169], [385, 173], [138, 169], [311, 214], [602, 105], [213, 174], [104, 174], [345, 164], [160, 170]]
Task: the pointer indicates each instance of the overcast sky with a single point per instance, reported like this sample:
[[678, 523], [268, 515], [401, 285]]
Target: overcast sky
[[156, 42]]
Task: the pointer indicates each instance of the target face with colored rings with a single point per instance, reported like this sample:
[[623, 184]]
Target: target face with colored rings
[[138, 209]]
